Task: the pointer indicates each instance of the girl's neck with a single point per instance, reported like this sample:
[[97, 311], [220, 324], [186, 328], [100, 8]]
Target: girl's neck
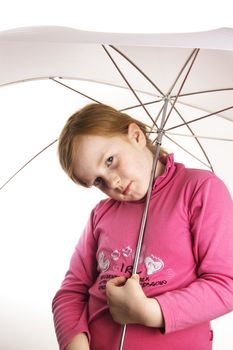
[[159, 169]]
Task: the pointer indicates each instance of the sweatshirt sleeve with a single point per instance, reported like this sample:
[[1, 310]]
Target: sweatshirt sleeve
[[211, 294], [69, 305]]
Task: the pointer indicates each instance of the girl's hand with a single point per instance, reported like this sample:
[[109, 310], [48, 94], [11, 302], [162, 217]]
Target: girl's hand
[[79, 342], [128, 303]]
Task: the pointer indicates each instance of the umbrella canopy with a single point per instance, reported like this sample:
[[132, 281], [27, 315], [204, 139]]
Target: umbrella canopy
[[138, 73], [128, 71]]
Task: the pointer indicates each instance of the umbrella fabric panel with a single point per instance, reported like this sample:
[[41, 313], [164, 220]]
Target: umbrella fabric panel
[[21, 41]]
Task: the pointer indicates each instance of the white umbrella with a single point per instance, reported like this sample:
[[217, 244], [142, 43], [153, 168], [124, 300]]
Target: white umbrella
[[147, 63], [192, 72]]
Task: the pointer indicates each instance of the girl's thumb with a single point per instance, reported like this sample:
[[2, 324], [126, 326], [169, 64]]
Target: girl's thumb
[[136, 277]]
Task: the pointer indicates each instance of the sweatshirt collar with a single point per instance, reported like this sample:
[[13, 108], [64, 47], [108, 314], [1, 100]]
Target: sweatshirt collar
[[169, 171]]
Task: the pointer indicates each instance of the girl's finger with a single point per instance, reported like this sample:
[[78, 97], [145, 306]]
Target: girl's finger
[[116, 282]]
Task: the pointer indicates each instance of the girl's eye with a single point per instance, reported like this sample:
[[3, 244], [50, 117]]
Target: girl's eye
[[98, 182], [109, 160]]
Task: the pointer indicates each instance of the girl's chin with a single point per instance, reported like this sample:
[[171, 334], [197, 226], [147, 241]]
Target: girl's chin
[[128, 197], [133, 198]]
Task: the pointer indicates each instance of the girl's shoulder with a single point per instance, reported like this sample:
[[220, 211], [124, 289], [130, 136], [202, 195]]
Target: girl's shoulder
[[198, 175], [180, 175], [202, 181]]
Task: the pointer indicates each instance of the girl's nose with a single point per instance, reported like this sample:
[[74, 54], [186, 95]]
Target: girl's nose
[[114, 181]]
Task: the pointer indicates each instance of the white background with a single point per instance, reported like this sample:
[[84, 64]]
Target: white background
[[42, 212]]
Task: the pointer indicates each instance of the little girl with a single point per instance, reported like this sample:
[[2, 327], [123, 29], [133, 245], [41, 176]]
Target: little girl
[[185, 271]]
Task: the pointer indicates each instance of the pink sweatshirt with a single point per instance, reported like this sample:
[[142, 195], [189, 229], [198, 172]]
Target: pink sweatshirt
[[186, 263]]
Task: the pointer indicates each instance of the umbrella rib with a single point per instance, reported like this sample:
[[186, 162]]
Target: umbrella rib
[[203, 92], [200, 118], [87, 96], [28, 162], [129, 85], [115, 85], [182, 102], [69, 87], [196, 51], [205, 110], [200, 136], [191, 154], [121, 110], [145, 104], [193, 135], [138, 69], [72, 78]]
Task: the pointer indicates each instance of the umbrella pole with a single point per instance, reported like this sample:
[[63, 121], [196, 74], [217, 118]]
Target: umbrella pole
[[144, 216]]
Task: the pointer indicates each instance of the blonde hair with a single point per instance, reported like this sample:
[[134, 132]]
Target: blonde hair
[[94, 119]]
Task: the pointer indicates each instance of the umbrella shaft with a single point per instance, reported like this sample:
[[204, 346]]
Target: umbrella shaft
[[122, 337]]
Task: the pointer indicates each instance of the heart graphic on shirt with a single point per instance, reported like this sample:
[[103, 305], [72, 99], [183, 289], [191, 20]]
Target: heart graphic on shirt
[[126, 251], [103, 262], [153, 265], [115, 255]]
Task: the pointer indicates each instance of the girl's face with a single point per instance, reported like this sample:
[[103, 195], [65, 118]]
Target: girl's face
[[119, 166]]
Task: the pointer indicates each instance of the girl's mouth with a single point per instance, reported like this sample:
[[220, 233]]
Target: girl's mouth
[[127, 189]]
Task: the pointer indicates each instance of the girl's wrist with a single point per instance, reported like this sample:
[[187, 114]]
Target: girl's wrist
[[79, 342], [151, 313]]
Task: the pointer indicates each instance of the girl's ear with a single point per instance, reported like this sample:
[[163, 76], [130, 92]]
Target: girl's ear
[[135, 134]]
